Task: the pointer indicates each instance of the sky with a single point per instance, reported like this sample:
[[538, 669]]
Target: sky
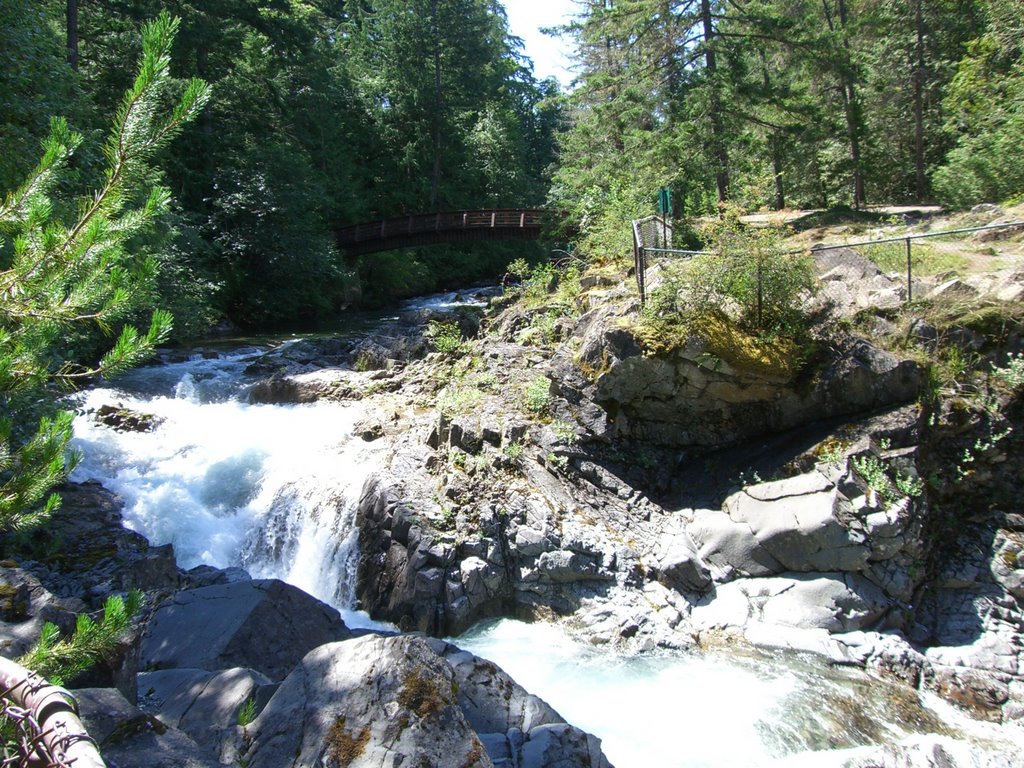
[[549, 54]]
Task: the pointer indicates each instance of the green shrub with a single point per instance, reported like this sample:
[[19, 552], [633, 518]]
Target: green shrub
[[513, 450], [445, 337], [538, 395], [61, 660], [752, 270], [457, 400]]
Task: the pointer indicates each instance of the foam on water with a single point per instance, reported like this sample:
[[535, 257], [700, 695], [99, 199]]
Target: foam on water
[[271, 488], [709, 710]]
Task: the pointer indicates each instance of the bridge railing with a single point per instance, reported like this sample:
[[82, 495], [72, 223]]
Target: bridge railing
[[499, 218]]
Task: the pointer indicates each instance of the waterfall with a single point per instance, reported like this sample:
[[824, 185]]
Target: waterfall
[[270, 488]]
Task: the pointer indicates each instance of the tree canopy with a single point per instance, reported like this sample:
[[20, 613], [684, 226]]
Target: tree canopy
[[798, 103], [331, 112]]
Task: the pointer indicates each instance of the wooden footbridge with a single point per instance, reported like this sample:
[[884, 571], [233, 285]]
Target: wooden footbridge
[[447, 227]]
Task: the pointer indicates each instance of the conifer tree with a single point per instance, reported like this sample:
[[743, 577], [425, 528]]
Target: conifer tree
[[60, 274]]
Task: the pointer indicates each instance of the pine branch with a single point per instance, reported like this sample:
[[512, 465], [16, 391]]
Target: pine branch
[[60, 661]]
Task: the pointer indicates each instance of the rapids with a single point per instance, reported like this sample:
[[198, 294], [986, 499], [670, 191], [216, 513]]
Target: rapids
[[269, 488]]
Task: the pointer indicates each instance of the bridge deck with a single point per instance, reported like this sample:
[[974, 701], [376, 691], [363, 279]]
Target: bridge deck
[[446, 227]]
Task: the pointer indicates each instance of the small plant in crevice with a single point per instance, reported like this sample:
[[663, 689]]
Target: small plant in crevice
[[537, 396], [513, 450], [980, 447], [557, 461], [449, 519], [888, 483], [872, 471], [1012, 374], [646, 460], [832, 451], [246, 712], [456, 400], [565, 432], [445, 337], [908, 485]]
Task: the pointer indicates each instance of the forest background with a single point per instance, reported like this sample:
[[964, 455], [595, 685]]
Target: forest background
[[328, 112]]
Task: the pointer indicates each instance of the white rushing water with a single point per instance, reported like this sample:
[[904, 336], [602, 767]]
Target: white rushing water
[[271, 488], [709, 710]]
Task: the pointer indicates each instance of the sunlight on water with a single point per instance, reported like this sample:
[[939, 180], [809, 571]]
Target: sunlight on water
[[704, 710], [649, 711], [271, 488]]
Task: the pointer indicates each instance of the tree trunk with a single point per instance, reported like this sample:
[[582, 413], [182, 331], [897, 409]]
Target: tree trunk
[[72, 22], [918, 79], [435, 178], [851, 108], [780, 187], [774, 141], [718, 150]]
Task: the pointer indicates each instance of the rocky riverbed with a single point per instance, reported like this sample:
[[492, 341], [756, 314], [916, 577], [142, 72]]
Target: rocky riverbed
[[552, 470]]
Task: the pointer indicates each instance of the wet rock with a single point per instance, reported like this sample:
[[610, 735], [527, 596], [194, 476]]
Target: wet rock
[[514, 724], [931, 751], [126, 420]]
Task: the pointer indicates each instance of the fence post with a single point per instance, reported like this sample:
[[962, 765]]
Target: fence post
[[641, 275], [910, 289], [760, 292]]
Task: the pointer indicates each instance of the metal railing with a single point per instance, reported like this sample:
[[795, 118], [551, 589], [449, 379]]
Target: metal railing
[[641, 249], [652, 234], [498, 218], [908, 240], [44, 718]]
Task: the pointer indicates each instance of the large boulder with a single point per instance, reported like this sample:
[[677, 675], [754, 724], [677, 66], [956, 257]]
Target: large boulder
[[518, 728], [204, 705], [834, 602], [265, 625], [130, 738], [371, 701], [379, 700]]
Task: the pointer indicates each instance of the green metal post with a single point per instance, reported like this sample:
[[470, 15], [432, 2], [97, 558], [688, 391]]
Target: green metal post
[[910, 289]]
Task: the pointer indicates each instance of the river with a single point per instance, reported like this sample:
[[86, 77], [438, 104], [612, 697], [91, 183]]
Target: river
[[273, 489]]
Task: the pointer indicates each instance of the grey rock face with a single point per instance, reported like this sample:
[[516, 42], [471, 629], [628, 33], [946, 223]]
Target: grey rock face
[[130, 738], [366, 702], [228, 625], [690, 398], [204, 705]]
